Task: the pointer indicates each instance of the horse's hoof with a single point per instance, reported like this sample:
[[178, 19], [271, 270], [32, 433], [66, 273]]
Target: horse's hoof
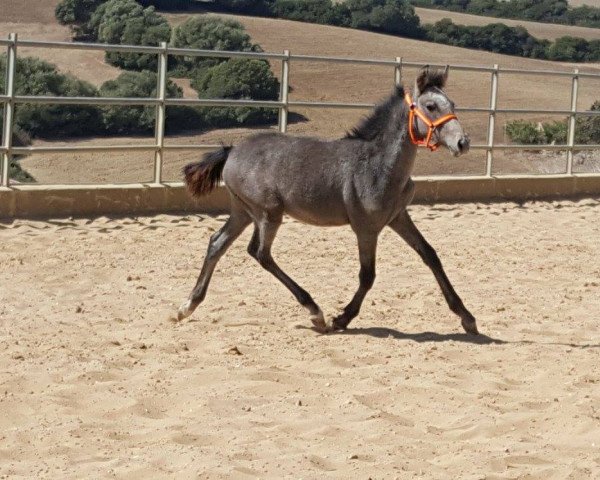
[[184, 311], [318, 321], [470, 326], [339, 323]]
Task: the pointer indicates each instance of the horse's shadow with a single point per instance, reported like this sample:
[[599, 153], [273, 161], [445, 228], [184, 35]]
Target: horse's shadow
[[423, 337]]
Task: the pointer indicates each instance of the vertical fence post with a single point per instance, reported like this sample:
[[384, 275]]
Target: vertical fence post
[[161, 112], [9, 110], [285, 88], [398, 72], [489, 156], [572, 121]]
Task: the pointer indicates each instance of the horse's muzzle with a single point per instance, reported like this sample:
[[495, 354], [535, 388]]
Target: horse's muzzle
[[463, 145]]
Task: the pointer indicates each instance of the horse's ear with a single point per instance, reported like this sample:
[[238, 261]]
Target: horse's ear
[[446, 71], [421, 82], [430, 78]]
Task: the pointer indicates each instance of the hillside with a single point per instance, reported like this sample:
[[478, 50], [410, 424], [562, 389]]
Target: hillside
[[548, 31], [316, 81], [34, 20]]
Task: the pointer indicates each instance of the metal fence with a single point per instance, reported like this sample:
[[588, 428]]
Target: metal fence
[[10, 100]]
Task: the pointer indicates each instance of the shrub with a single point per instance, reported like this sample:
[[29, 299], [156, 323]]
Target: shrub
[[555, 132], [127, 22], [141, 119], [237, 79], [36, 77], [18, 173], [15, 171], [523, 132], [587, 129], [209, 33]]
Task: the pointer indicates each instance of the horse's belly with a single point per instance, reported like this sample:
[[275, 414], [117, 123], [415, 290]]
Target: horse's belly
[[320, 215]]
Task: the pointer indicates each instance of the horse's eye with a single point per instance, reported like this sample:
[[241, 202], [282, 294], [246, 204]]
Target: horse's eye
[[430, 107]]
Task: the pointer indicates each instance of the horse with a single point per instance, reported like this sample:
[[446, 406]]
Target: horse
[[362, 180]]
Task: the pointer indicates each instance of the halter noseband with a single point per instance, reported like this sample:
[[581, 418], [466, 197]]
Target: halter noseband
[[431, 126]]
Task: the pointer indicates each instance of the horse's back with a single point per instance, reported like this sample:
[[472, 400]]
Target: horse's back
[[301, 176]]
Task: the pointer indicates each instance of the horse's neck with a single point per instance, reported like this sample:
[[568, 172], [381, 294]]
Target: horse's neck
[[399, 152]]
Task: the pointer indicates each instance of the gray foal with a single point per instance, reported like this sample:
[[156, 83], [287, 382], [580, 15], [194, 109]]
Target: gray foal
[[362, 180]]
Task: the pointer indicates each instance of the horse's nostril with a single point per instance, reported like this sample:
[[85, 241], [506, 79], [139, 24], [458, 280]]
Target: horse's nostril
[[463, 144]]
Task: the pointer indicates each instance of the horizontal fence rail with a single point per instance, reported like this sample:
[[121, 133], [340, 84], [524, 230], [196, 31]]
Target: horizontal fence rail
[[9, 100]]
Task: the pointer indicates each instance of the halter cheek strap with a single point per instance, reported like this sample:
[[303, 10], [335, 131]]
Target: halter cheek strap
[[431, 125]]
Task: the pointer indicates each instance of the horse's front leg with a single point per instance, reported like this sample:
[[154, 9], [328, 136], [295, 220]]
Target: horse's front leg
[[404, 226], [367, 247]]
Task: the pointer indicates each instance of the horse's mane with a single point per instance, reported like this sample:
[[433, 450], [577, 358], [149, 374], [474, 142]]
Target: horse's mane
[[370, 126]]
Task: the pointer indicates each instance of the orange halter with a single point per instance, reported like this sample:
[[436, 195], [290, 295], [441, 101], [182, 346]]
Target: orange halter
[[431, 126]]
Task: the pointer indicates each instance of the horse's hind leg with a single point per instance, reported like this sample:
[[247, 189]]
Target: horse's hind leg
[[367, 247], [218, 245], [404, 226], [260, 249]]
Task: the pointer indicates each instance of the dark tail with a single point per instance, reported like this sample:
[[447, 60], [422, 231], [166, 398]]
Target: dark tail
[[202, 177]]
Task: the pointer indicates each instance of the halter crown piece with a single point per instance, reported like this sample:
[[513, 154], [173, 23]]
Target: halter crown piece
[[431, 126]]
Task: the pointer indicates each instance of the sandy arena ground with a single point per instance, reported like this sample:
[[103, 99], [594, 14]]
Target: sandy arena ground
[[97, 382]]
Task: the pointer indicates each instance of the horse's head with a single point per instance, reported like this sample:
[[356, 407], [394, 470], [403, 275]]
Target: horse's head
[[434, 119]]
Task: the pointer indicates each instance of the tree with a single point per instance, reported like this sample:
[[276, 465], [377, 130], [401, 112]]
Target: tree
[[494, 37], [209, 33], [76, 13], [389, 16], [237, 79], [127, 22], [254, 7], [593, 51], [323, 11], [568, 48], [140, 119], [36, 77], [168, 4]]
